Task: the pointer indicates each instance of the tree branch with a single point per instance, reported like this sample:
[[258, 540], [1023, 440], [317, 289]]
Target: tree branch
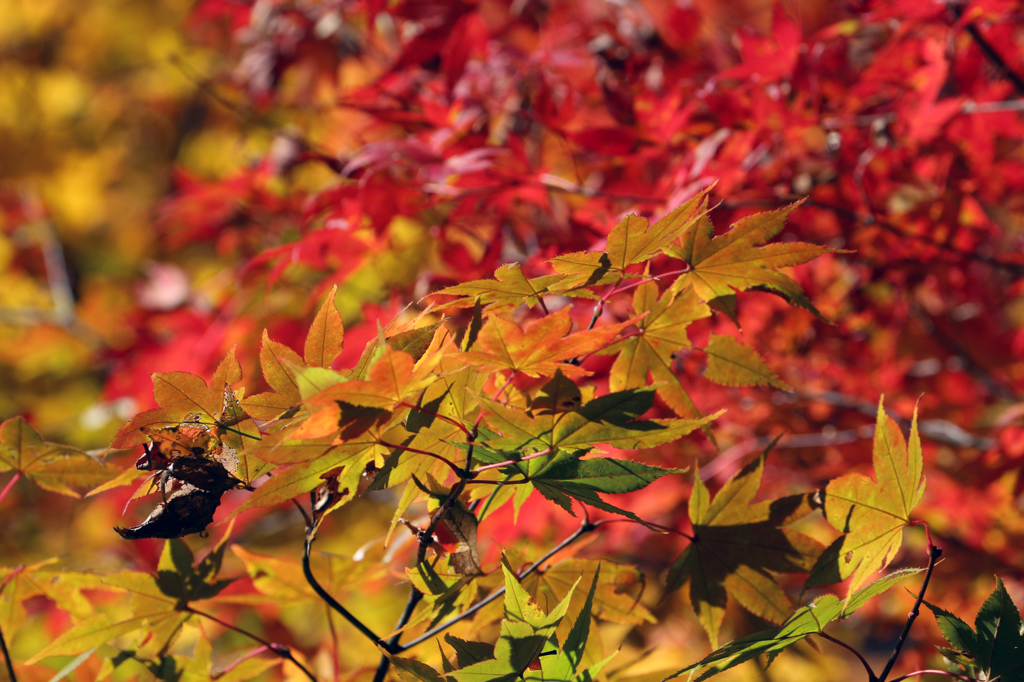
[[331, 601], [7, 658], [933, 556]]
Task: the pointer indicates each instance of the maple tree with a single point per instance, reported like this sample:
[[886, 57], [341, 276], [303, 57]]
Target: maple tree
[[445, 275]]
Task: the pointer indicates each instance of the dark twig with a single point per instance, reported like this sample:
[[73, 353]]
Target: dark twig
[[933, 556], [7, 658], [3, 644], [990, 52], [863, 661], [279, 649], [331, 601], [585, 527]]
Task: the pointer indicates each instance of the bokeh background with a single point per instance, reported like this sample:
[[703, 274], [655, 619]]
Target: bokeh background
[[177, 176]]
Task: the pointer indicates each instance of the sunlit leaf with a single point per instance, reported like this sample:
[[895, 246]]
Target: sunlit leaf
[[872, 513]]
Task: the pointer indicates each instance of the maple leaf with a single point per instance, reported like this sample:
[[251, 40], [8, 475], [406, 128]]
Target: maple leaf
[[995, 648], [612, 419], [872, 514], [662, 331], [634, 240], [509, 288], [567, 476], [807, 620], [736, 542], [159, 602], [276, 361], [541, 348], [732, 363], [326, 335], [58, 468], [612, 602], [525, 633], [720, 266], [64, 588]]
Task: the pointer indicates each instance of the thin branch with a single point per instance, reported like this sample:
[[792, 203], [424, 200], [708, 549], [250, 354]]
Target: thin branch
[[863, 661], [7, 658], [279, 649], [305, 516], [990, 52], [934, 555], [965, 678], [331, 601], [585, 527]]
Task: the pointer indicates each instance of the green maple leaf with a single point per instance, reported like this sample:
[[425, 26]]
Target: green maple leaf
[[525, 633], [995, 647], [612, 419], [872, 513], [566, 477], [58, 468], [634, 240], [541, 348], [736, 543], [720, 266], [662, 331], [807, 620]]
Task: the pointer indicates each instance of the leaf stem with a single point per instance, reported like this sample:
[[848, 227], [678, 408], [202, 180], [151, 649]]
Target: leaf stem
[[933, 555], [459, 471], [965, 678], [331, 601], [585, 527], [863, 661], [451, 421], [495, 397], [238, 661], [279, 649], [656, 526], [10, 484], [510, 462], [927, 535]]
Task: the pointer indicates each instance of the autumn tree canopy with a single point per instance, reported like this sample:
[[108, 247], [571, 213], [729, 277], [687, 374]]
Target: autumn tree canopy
[[475, 341]]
